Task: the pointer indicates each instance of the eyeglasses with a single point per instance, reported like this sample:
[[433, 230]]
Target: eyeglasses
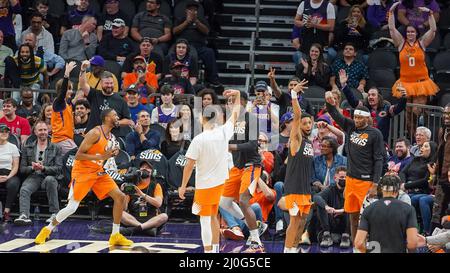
[[262, 140], [446, 113], [40, 158]]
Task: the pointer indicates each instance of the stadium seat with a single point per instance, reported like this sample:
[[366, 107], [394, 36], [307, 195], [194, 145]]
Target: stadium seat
[[14, 139], [435, 46], [442, 69], [444, 100], [128, 7], [56, 7], [342, 14], [314, 92], [444, 19], [382, 77], [382, 59], [113, 67], [122, 143], [162, 132], [446, 42]]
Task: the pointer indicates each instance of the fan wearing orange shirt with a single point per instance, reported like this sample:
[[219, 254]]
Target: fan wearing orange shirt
[[88, 174], [145, 80], [414, 75], [62, 120]]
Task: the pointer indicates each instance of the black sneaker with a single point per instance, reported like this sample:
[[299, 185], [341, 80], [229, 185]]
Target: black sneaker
[[326, 240], [126, 231], [23, 220], [345, 241], [152, 232]]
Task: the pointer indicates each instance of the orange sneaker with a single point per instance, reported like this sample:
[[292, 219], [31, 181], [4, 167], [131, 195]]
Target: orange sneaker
[[42, 236]]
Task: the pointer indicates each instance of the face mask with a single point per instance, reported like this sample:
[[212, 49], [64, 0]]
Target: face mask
[[341, 183]]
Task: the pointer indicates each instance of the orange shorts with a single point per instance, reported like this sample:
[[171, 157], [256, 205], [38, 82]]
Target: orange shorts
[[240, 180], [298, 203], [101, 185], [206, 201], [354, 193]]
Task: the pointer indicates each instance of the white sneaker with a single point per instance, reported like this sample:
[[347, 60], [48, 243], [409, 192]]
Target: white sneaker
[[279, 226], [49, 220]]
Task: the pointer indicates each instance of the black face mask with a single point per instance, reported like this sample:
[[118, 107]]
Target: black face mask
[[341, 183]]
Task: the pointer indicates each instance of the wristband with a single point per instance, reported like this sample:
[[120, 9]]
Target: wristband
[[294, 95]]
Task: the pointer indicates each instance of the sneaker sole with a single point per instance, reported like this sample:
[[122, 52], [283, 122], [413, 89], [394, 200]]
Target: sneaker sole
[[21, 223], [228, 234]]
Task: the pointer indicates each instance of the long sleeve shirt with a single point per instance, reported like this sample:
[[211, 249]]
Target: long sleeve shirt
[[365, 148], [72, 46], [135, 146]]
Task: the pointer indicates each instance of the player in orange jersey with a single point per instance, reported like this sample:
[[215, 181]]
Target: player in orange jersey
[[88, 174]]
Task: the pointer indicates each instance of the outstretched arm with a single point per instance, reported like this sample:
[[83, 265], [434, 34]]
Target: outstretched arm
[[395, 34], [296, 135], [428, 37]]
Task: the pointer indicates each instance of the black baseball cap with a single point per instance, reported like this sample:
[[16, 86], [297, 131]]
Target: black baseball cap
[[4, 127]]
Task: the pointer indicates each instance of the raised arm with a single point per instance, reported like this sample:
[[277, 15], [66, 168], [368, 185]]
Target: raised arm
[[428, 37], [342, 121], [273, 83], [395, 34], [296, 134], [84, 86], [237, 103], [352, 100]]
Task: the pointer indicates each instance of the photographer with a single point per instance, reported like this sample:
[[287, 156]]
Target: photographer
[[144, 198]]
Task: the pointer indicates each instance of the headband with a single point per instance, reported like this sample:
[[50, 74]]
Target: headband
[[362, 113]]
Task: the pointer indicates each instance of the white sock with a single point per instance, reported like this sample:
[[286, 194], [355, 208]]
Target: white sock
[[293, 250], [209, 251], [215, 248], [286, 249], [255, 235], [115, 229], [205, 224]]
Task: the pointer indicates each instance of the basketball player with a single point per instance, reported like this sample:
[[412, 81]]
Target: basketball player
[[209, 152], [297, 184], [88, 173], [365, 148]]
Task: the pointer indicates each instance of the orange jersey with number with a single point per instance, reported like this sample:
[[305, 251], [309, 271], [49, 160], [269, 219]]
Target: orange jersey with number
[[93, 166], [412, 63], [62, 124]]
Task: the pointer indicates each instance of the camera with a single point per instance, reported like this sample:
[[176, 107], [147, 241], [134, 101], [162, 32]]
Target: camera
[[133, 178]]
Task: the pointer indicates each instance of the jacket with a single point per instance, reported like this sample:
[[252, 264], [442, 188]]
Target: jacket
[[320, 167], [52, 159]]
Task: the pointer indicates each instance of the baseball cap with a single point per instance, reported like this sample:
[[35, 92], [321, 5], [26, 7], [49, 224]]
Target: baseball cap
[[192, 3], [139, 57], [3, 127], [324, 118], [288, 116], [118, 23], [97, 60], [261, 86], [139, 161], [132, 89], [176, 64]]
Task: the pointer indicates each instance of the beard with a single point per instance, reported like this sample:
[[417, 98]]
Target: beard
[[108, 90]]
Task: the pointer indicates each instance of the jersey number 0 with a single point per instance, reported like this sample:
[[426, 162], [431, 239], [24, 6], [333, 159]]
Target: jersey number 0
[[412, 61]]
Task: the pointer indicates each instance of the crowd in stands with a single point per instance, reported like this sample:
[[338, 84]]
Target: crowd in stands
[[145, 66]]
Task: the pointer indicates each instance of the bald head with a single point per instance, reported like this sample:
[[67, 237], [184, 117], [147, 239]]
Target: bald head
[[29, 39]]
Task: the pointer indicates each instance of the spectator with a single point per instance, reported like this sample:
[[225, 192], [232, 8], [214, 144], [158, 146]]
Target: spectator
[[208, 96], [415, 177], [438, 241], [53, 62], [423, 134], [355, 69], [4, 52], [110, 14], [142, 138], [326, 129], [326, 164], [9, 165], [183, 55], [26, 108], [61, 113], [82, 111], [180, 84], [152, 24], [134, 104], [103, 100], [409, 13], [79, 44], [266, 112], [97, 69], [143, 213], [338, 98], [174, 141], [354, 29], [116, 45], [284, 98], [267, 158], [402, 155], [44, 37], [195, 30], [316, 18], [166, 112], [143, 80], [377, 14], [41, 163], [285, 130], [46, 116], [296, 43], [381, 111], [442, 192], [75, 15], [187, 119], [51, 23], [18, 125], [330, 211], [389, 222], [153, 60], [8, 8], [314, 69]]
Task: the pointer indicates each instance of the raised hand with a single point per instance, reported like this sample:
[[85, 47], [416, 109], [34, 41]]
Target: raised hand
[[394, 6], [304, 63], [85, 64], [271, 73], [301, 86], [424, 9], [330, 98], [231, 92], [343, 77], [69, 67]]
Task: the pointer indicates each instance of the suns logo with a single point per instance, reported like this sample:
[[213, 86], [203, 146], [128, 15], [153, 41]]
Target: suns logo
[[151, 154], [359, 139], [239, 128], [308, 150]]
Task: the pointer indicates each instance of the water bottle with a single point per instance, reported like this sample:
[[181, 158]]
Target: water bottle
[[36, 213]]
